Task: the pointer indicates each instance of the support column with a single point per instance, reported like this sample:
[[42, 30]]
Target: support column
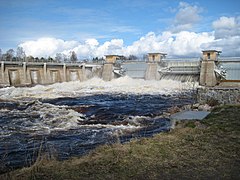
[[2, 72], [64, 73], [208, 65], [24, 73], [107, 73], [207, 74], [83, 73], [45, 73], [152, 71]]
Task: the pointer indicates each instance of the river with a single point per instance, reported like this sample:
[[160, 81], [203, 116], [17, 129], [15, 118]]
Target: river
[[70, 119]]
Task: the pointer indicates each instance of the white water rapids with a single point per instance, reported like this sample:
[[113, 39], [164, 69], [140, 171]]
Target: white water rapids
[[124, 85]]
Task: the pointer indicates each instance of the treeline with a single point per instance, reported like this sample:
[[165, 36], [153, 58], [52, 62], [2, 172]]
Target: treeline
[[20, 55]]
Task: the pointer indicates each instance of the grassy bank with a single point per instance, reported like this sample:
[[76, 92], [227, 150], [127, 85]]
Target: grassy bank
[[206, 150]]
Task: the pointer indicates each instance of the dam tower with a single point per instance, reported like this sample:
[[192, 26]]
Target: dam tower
[[208, 65], [108, 74], [152, 68]]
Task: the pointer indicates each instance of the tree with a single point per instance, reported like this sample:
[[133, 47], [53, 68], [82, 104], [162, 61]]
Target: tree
[[59, 57], [132, 57], [50, 59], [65, 58], [9, 55], [42, 59], [95, 59], [30, 59], [20, 55], [36, 59], [73, 56], [4, 57]]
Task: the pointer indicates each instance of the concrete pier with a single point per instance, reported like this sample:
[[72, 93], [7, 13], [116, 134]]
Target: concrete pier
[[82, 73], [154, 60], [45, 73], [64, 72], [152, 71], [107, 74], [2, 73], [208, 64]]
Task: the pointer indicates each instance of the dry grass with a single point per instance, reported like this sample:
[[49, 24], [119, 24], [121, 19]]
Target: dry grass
[[198, 150]]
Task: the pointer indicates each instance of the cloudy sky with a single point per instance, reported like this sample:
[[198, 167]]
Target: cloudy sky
[[97, 27]]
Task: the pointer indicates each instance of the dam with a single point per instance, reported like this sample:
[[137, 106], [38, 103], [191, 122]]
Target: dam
[[31, 73], [209, 70]]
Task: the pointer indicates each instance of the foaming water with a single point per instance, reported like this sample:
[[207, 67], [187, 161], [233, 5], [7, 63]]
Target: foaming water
[[97, 86], [74, 117]]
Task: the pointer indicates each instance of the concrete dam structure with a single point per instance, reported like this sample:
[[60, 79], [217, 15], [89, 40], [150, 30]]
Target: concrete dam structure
[[31, 73], [157, 68], [207, 71]]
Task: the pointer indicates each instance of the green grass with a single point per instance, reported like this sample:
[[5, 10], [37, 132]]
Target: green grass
[[209, 149]]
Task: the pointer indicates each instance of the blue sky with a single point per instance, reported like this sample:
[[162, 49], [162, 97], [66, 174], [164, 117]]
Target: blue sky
[[25, 21]]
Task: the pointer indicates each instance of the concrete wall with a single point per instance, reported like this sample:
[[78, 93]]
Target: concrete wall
[[22, 73], [229, 84], [107, 73], [221, 95], [207, 74], [152, 72]]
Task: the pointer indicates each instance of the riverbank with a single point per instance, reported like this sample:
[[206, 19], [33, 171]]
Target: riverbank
[[207, 149]]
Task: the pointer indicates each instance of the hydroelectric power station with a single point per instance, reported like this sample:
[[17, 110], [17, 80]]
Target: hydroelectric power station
[[209, 70]]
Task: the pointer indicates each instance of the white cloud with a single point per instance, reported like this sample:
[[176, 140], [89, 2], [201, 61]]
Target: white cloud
[[190, 43], [186, 17], [227, 36], [92, 42], [229, 46], [91, 48], [183, 43], [226, 27], [115, 46], [44, 47], [224, 22], [175, 44]]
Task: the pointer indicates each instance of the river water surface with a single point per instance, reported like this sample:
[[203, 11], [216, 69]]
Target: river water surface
[[70, 119]]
